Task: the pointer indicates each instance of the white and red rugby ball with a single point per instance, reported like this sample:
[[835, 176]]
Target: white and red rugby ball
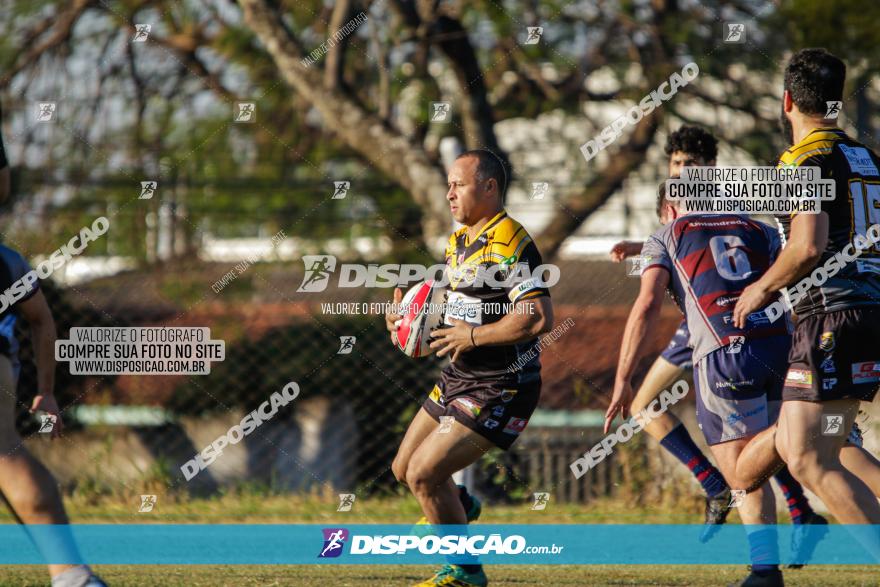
[[422, 312]]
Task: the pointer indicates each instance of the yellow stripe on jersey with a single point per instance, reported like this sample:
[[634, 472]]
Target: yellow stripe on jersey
[[529, 295], [509, 239], [818, 142]]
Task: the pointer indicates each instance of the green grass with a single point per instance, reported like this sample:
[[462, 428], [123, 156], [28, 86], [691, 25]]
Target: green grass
[[254, 506]]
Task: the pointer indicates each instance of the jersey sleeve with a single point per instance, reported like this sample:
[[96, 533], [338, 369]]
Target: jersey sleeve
[[655, 254], [819, 157], [18, 268], [529, 283]]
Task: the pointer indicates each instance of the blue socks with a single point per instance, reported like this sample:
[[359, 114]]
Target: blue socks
[[798, 506], [679, 443], [763, 549]]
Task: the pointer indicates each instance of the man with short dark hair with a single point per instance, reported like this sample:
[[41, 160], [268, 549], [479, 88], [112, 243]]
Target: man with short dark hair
[[834, 361], [492, 384], [686, 147], [704, 260]]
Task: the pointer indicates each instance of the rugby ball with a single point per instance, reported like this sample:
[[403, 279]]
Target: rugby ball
[[422, 312]]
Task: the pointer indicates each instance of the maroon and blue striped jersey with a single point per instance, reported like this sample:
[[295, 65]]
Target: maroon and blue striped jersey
[[711, 259]]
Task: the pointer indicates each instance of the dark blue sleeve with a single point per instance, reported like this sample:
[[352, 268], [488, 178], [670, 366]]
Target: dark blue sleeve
[[16, 267]]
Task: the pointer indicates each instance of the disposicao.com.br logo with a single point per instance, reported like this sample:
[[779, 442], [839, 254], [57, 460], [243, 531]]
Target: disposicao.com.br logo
[[443, 544], [320, 268]]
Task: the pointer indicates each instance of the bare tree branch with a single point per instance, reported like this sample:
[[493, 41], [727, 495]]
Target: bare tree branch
[[362, 131], [60, 34], [604, 185], [336, 53]]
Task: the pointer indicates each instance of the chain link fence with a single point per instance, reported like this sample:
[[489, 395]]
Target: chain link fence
[[339, 435]]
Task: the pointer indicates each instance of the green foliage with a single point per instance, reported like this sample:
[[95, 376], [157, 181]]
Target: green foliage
[[847, 28]]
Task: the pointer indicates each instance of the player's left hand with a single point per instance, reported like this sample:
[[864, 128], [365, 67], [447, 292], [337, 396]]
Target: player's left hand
[[754, 297], [455, 339], [620, 402]]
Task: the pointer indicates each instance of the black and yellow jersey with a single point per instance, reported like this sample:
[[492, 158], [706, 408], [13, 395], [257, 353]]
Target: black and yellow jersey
[[855, 170], [486, 277]]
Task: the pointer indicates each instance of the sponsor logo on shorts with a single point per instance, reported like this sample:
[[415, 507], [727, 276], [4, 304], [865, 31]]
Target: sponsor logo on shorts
[[734, 418], [827, 365], [468, 406], [498, 411], [334, 540], [436, 396], [828, 384], [866, 372], [799, 378], [508, 394], [491, 424], [515, 425], [826, 341], [734, 384]]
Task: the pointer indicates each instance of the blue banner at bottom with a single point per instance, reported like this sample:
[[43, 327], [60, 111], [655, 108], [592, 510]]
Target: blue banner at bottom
[[532, 544]]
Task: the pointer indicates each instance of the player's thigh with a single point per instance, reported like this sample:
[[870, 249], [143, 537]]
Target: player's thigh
[[863, 465], [731, 394], [803, 436], [661, 375], [726, 455], [444, 453], [419, 429], [9, 438]]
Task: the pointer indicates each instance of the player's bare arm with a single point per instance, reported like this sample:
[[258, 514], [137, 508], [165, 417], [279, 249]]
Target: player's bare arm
[[809, 237], [644, 312], [528, 319], [36, 311]]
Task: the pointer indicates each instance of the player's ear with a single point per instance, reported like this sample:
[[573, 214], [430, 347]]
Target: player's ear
[[787, 102], [491, 187]]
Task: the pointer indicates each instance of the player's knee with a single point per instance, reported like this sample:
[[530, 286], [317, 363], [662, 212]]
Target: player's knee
[[420, 479], [32, 504], [398, 467], [803, 465]]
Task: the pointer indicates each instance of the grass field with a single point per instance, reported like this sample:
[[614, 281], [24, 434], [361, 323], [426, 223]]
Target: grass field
[[256, 507]]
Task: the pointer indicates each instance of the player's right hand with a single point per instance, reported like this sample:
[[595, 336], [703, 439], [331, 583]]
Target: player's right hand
[[392, 318], [620, 402], [625, 249]]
